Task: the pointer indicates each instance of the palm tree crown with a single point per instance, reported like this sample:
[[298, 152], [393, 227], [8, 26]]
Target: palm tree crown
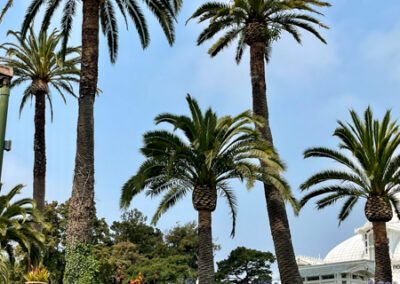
[[213, 151], [38, 60], [252, 21], [371, 172], [163, 10]]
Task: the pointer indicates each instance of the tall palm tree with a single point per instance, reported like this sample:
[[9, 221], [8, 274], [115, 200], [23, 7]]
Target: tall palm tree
[[18, 220], [257, 24], [5, 9], [370, 171], [38, 61], [94, 12], [212, 152]]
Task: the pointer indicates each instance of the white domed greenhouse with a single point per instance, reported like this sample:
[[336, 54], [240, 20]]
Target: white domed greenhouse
[[352, 261]]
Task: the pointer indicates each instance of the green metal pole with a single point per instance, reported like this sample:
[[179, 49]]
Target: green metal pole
[[5, 78], [4, 97]]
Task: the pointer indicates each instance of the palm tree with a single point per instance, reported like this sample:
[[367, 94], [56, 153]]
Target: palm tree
[[257, 24], [94, 12], [38, 61], [5, 9], [213, 151], [371, 171], [18, 220]]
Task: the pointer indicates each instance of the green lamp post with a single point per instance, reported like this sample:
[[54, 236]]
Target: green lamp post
[[6, 73]]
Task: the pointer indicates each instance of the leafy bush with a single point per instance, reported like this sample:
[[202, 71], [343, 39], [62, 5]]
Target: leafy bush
[[81, 267], [163, 270]]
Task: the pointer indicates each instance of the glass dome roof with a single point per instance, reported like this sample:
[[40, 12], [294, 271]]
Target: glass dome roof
[[350, 249]]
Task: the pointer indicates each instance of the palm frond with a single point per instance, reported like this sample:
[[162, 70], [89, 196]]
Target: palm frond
[[5, 9], [211, 152], [372, 169], [110, 28], [291, 16]]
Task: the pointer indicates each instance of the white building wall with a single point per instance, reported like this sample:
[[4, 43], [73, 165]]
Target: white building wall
[[340, 278]]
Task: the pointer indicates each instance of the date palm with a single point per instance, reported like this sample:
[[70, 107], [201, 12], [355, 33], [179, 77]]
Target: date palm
[[370, 171], [94, 14], [257, 24], [5, 9], [212, 151], [37, 60], [18, 220]]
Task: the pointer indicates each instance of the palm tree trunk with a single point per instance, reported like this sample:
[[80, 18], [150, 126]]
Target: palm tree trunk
[[279, 225], [383, 268], [82, 207], [206, 255], [39, 147]]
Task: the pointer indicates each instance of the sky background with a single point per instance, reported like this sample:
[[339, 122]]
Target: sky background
[[310, 87]]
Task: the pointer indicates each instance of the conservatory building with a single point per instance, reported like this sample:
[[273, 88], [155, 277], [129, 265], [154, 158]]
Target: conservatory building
[[352, 261]]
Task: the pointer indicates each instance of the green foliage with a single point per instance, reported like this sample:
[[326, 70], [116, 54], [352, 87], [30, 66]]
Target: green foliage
[[371, 169], [244, 266], [183, 240], [276, 16], [81, 267], [101, 232], [38, 274], [164, 270], [213, 151], [164, 11], [123, 255], [38, 58], [131, 243], [133, 228], [17, 225], [53, 252]]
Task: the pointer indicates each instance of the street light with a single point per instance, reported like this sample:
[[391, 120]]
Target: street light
[[6, 73]]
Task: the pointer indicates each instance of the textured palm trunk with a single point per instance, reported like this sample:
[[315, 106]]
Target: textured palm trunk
[[39, 148], [383, 268], [279, 225], [204, 200], [206, 256], [82, 207]]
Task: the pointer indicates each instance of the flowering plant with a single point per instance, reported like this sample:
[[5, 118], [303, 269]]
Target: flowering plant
[[37, 274], [138, 280]]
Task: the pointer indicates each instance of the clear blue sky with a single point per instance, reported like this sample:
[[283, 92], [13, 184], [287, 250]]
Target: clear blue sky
[[309, 88]]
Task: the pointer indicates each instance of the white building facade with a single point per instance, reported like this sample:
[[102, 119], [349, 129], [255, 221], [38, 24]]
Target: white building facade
[[352, 261]]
